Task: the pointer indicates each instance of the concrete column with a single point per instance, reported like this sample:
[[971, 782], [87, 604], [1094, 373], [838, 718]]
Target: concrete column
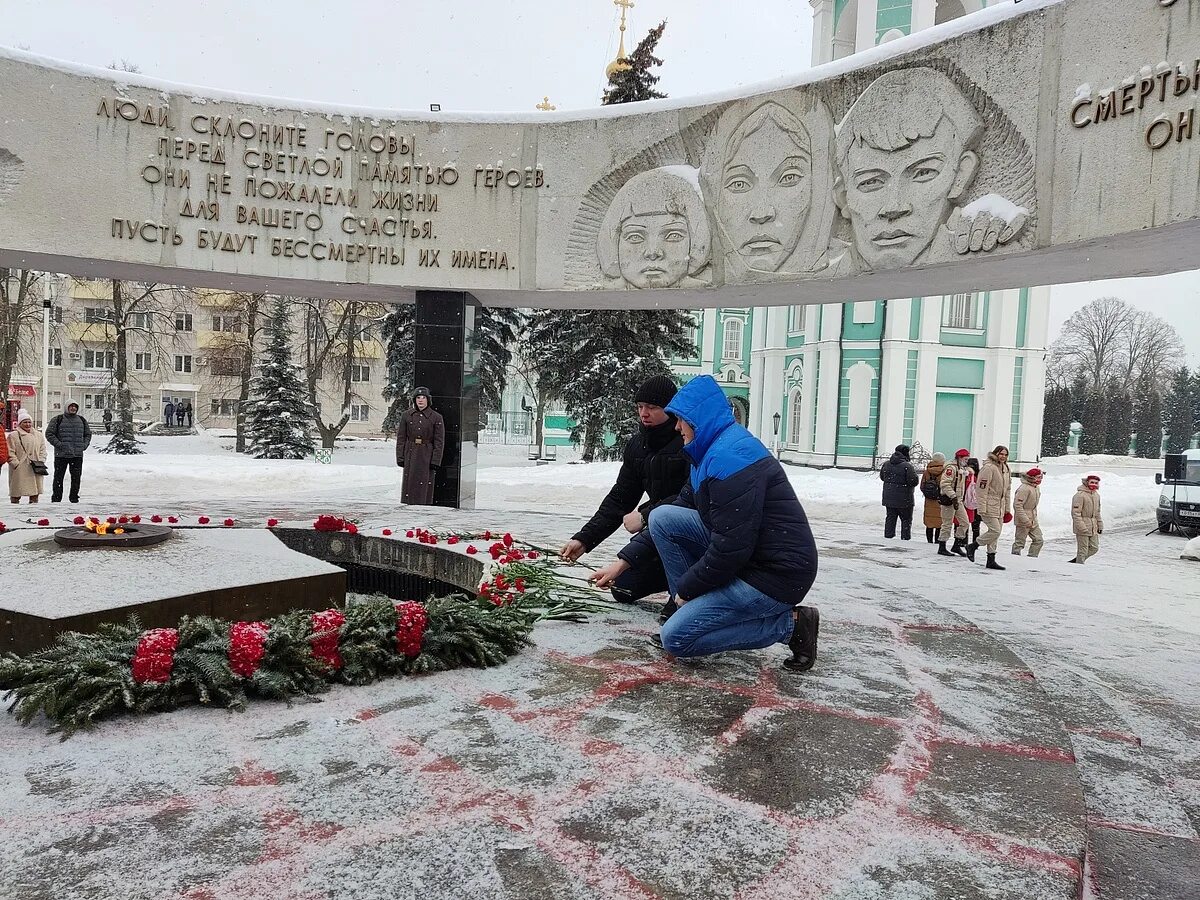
[[868, 14], [822, 32], [444, 325]]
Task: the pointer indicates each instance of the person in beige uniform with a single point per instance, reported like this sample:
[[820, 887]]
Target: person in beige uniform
[[1025, 507], [995, 502], [953, 486], [1085, 519]]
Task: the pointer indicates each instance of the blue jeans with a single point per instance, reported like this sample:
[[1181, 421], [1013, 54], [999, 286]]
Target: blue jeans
[[735, 616]]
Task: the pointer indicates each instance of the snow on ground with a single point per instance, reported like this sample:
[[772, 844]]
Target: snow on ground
[[203, 468]]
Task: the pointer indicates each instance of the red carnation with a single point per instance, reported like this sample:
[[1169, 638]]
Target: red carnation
[[93, 520], [387, 532], [156, 518], [247, 643], [508, 539], [43, 521], [228, 523], [122, 520], [329, 523], [471, 549], [352, 528], [519, 584], [136, 520], [174, 520], [78, 520], [411, 619], [533, 554], [271, 523], [409, 533], [155, 655], [487, 535], [453, 539], [3, 528], [111, 520], [326, 628], [204, 520]]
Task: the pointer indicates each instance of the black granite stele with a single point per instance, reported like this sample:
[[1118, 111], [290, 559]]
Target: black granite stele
[[444, 327]]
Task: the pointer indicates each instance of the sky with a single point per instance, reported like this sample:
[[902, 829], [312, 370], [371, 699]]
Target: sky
[[470, 55]]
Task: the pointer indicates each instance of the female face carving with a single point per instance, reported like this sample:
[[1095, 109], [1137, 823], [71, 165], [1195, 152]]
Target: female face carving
[[765, 194], [654, 250]]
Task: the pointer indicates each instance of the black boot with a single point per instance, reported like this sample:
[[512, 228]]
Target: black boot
[[992, 564], [971, 548], [942, 551], [1075, 560], [803, 643], [957, 549], [668, 609], [929, 534]]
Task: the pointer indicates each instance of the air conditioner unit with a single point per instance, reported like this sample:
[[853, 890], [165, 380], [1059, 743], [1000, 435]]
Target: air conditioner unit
[[76, 356]]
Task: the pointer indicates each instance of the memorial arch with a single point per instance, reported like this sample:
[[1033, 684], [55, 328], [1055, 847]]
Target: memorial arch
[[1021, 145]]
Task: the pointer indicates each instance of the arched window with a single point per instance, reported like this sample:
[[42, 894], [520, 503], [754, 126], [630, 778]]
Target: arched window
[[795, 416], [731, 346]]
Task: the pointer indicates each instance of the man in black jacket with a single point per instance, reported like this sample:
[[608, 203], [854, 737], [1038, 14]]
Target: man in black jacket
[[653, 466], [69, 435], [899, 479]]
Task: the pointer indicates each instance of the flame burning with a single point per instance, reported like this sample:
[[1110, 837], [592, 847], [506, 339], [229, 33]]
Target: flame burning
[[102, 528]]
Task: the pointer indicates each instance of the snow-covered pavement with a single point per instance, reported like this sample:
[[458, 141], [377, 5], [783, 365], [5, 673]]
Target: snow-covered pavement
[[1111, 648]]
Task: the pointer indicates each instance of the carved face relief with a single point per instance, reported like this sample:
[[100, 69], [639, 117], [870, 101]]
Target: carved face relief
[[654, 250], [764, 196], [897, 200]]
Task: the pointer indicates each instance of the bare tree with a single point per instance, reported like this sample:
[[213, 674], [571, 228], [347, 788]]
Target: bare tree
[[20, 321], [335, 332], [1094, 339], [135, 316], [1153, 349]]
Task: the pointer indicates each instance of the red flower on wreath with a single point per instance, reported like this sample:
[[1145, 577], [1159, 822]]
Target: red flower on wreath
[[410, 534], [155, 656], [111, 520], [247, 643], [122, 520], [329, 523], [533, 554], [326, 628], [387, 532], [156, 518], [271, 523], [508, 539], [228, 523], [487, 535], [453, 539], [351, 528], [43, 521], [204, 520], [136, 520], [174, 520], [471, 549], [411, 620], [79, 520]]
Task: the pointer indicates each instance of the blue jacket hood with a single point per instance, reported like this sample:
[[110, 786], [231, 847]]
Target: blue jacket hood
[[703, 405]]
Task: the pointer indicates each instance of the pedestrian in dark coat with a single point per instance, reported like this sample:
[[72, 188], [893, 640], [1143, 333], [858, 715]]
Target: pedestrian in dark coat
[[69, 435], [179, 414], [899, 481], [420, 441], [187, 411], [654, 466], [169, 412]]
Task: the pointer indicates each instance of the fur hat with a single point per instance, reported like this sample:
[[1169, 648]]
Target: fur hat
[[422, 392], [657, 391], [22, 415]]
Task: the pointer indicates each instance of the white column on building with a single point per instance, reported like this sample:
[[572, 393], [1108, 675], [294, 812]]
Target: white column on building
[[827, 395], [924, 414], [822, 33], [893, 374], [924, 14], [868, 14], [758, 370]]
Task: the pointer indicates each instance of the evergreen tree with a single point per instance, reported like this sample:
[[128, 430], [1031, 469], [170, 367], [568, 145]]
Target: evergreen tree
[[1147, 418], [495, 332], [1120, 421], [633, 80], [1177, 413], [1056, 421], [1079, 391], [280, 418], [397, 333], [1094, 419]]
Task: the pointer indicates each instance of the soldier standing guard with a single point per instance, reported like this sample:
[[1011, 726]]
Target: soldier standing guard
[[420, 440]]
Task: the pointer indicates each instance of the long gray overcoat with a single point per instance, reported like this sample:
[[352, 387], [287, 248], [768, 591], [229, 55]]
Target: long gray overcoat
[[420, 440]]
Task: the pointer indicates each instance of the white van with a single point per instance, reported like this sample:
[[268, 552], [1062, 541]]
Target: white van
[[1179, 502]]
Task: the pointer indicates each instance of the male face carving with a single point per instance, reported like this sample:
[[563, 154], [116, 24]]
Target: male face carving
[[897, 200], [906, 157], [654, 250], [766, 189]]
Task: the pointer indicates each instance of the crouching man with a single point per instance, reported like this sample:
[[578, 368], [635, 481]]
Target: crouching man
[[736, 544]]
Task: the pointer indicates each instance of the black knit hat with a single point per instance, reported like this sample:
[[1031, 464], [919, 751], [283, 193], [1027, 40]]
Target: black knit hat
[[903, 450], [657, 391]]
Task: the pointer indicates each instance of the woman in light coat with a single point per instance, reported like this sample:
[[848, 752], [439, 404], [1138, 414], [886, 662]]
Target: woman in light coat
[[26, 445], [995, 501]]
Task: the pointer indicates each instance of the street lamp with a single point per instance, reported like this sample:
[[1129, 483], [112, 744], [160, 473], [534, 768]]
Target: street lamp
[[775, 420]]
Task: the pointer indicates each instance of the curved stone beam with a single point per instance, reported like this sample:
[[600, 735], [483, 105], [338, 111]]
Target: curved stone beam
[[1021, 145]]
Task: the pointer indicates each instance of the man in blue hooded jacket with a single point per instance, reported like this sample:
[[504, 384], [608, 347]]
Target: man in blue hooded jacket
[[736, 545]]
